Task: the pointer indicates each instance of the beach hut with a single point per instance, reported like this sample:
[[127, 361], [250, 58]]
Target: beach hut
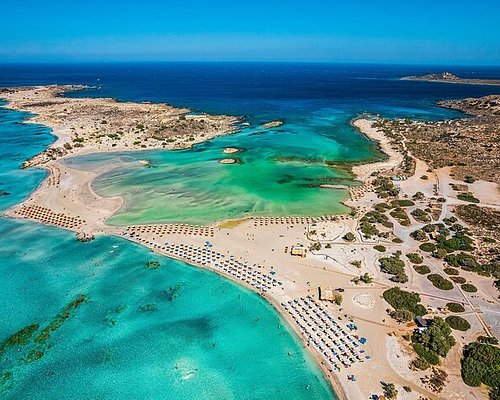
[[327, 293], [298, 250]]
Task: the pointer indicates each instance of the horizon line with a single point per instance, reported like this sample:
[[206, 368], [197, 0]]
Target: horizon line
[[312, 62]]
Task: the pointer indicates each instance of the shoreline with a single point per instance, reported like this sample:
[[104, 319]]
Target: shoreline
[[296, 274], [360, 171], [328, 376]]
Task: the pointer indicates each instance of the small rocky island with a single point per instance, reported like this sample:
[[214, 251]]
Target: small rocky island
[[448, 77], [272, 124]]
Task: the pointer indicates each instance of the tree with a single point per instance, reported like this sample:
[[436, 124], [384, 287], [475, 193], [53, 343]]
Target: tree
[[402, 315], [390, 390], [349, 237], [436, 338], [480, 364]]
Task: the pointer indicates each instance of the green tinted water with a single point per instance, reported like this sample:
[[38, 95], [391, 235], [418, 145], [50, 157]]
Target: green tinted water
[[279, 173]]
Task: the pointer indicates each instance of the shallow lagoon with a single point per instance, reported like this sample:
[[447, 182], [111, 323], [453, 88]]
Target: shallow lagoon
[[279, 173]]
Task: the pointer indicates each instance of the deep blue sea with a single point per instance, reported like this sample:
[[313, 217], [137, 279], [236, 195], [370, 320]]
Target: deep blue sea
[[176, 332]]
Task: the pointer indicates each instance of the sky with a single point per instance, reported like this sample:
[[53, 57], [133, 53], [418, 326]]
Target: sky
[[381, 31]]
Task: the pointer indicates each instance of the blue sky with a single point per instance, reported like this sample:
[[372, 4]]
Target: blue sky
[[429, 32]]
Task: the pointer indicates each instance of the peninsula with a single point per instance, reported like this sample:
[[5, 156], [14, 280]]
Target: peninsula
[[448, 77]]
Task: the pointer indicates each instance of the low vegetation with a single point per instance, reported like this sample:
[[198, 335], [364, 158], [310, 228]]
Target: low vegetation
[[420, 215], [415, 258], [402, 300], [468, 287], [440, 282], [467, 197], [455, 307], [394, 266], [481, 365], [434, 342], [458, 323], [422, 269]]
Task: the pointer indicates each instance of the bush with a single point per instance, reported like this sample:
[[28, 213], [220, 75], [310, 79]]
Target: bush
[[402, 300], [394, 266], [420, 215], [422, 269], [480, 364], [420, 363], [380, 248], [455, 307], [435, 341], [429, 356], [402, 315], [458, 279], [390, 390], [458, 323], [487, 339], [403, 203], [467, 197], [468, 287], [415, 258], [419, 235], [451, 271], [349, 237], [427, 247], [400, 215], [440, 282]]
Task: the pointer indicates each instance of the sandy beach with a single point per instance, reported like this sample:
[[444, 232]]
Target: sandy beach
[[256, 252]]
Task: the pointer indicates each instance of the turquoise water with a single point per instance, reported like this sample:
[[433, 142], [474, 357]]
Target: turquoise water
[[175, 332], [172, 333], [279, 173]]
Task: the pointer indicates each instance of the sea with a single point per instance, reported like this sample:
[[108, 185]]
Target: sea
[[109, 319]]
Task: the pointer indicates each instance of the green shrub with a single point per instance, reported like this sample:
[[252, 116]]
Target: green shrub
[[467, 197], [487, 340], [429, 356], [420, 363], [420, 215], [455, 307], [380, 248], [458, 323], [400, 215], [349, 237], [468, 287], [394, 266], [403, 203], [440, 282], [427, 247], [433, 342], [419, 235], [480, 364], [458, 279], [402, 300], [451, 271], [415, 258], [422, 269]]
